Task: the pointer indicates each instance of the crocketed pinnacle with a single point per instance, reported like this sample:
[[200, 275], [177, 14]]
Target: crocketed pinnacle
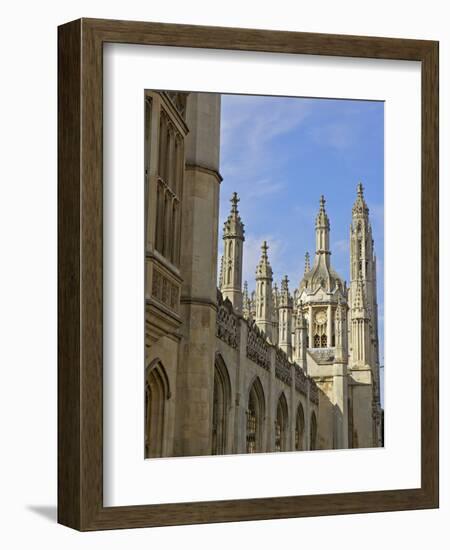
[[322, 220], [360, 207], [233, 227], [264, 270]]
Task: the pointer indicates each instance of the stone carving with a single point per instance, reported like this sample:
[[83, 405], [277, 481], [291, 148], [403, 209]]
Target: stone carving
[[257, 346], [179, 100], [322, 355], [165, 291], [313, 391], [283, 367], [227, 324], [301, 379]]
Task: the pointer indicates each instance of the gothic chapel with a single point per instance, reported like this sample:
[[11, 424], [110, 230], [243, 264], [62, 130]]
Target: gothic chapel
[[233, 371]]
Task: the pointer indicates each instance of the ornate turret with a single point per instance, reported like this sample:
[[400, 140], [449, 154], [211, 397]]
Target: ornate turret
[[321, 274], [322, 230], [233, 237], [263, 296], [285, 318], [363, 295]]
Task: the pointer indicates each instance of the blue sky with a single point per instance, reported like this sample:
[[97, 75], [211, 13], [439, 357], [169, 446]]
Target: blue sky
[[280, 154]]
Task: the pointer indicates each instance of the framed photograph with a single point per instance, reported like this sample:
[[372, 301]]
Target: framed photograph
[[248, 274]]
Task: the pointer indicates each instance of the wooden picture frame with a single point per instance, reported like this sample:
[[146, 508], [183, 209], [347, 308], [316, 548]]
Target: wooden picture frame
[[80, 272]]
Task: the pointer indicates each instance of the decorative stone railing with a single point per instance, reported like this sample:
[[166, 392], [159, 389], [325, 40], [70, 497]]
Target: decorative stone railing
[[301, 380], [313, 391], [322, 355], [283, 367], [257, 346], [227, 324]]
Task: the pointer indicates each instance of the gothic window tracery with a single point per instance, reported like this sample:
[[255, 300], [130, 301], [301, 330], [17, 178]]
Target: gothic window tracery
[[281, 424], [169, 183], [255, 418], [299, 428]]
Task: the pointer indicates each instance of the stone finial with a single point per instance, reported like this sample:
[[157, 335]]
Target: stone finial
[[264, 270], [307, 263], [322, 218], [234, 203], [264, 248], [360, 207], [233, 226], [245, 290], [285, 284]]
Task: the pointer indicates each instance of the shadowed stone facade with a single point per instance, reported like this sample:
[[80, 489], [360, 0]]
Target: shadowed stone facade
[[228, 371]]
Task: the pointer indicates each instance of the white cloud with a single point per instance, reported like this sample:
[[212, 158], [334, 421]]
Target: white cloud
[[336, 136]]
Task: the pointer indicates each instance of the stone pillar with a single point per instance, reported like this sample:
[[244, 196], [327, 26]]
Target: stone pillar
[[330, 326], [241, 404], [310, 326], [271, 405], [199, 272], [292, 411]]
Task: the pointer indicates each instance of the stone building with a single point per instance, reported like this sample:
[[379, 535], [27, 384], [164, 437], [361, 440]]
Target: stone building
[[228, 371]]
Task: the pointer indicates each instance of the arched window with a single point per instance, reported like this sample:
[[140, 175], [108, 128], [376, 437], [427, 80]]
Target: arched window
[[255, 417], [299, 428], [313, 432], [316, 341], [221, 407], [156, 394], [281, 424], [323, 341]]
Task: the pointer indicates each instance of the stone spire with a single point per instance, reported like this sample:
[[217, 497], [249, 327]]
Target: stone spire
[[246, 303], [322, 230], [307, 263], [285, 318], [263, 296], [233, 238], [360, 208]]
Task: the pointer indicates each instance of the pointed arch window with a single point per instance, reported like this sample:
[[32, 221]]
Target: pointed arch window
[[323, 341], [221, 407], [157, 393], [169, 173], [299, 428], [255, 418], [281, 424], [313, 432]]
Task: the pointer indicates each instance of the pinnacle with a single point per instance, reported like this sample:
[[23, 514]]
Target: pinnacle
[[234, 203]]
